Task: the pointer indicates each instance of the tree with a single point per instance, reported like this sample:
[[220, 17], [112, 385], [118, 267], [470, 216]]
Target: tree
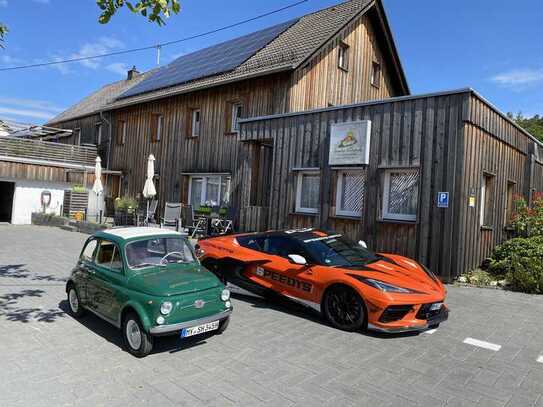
[[533, 125], [154, 10]]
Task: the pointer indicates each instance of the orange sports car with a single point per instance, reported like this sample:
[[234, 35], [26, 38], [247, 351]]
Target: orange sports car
[[353, 287]]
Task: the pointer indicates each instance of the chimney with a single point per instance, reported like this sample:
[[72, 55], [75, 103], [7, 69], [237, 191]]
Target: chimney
[[132, 73]]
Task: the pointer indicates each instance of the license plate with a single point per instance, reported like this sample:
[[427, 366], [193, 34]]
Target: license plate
[[435, 307], [199, 329]]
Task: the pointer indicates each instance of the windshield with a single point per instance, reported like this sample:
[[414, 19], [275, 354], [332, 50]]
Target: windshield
[[158, 251], [338, 251]]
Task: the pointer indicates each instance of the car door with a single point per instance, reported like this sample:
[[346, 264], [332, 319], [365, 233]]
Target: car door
[[293, 280], [107, 281], [84, 270]]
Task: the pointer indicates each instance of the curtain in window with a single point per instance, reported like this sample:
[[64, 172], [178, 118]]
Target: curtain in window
[[403, 193], [196, 192], [310, 191], [353, 185]]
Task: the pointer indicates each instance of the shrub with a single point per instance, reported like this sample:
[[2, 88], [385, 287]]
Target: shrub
[[520, 262], [125, 204], [526, 275], [528, 221]]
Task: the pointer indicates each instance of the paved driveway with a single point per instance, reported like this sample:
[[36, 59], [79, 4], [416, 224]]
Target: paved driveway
[[271, 355]]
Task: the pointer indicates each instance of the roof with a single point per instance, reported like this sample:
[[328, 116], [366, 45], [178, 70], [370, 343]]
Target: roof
[[97, 101], [209, 61], [24, 130], [287, 51], [137, 232], [280, 48]]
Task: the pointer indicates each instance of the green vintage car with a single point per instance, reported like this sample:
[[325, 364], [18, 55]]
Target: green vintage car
[[148, 282]]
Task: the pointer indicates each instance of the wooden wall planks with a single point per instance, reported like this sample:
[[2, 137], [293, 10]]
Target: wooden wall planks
[[451, 138]]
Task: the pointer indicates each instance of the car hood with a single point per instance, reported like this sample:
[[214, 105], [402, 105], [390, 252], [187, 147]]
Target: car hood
[[174, 279], [401, 272]]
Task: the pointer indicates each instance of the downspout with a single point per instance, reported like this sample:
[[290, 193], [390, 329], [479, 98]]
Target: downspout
[[109, 137]]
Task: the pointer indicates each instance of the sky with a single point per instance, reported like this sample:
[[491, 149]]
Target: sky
[[493, 46]]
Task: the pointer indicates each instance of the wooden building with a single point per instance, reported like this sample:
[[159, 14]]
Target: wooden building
[[247, 124], [342, 54], [434, 182], [30, 167]]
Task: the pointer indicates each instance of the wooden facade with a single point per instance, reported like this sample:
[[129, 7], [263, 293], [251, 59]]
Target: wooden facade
[[451, 140], [318, 83]]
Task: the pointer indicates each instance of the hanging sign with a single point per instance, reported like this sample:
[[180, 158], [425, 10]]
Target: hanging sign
[[350, 143], [442, 199]]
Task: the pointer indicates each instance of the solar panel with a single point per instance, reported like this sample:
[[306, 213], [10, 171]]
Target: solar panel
[[210, 61]]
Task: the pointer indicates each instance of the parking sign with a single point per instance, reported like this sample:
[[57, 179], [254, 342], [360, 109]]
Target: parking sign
[[442, 199]]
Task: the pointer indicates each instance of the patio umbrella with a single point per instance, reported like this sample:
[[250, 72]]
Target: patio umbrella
[[97, 188], [149, 190]]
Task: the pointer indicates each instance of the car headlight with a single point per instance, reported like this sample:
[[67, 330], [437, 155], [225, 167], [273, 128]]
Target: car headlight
[[225, 295], [166, 308], [381, 285]]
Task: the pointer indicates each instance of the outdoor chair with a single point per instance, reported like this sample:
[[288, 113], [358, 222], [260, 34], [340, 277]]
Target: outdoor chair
[[224, 226], [172, 216], [192, 225]]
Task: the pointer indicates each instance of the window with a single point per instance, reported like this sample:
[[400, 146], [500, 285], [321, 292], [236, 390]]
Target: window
[[152, 252], [487, 200], [237, 112], [157, 127], [108, 256], [376, 74], [351, 185], [99, 134], [88, 251], [401, 194], [195, 123], [307, 192], [343, 56], [281, 246], [509, 205], [121, 132], [209, 190]]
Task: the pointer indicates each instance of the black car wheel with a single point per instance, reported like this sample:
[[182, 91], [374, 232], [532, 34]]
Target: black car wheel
[[136, 340], [74, 302], [344, 308]]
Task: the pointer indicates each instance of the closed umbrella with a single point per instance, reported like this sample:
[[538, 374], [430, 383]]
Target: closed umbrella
[[149, 190], [97, 188]]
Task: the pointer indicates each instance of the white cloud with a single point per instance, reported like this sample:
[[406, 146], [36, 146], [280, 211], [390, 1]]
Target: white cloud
[[31, 103], [118, 68], [37, 114], [519, 77], [103, 46], [28, 110]]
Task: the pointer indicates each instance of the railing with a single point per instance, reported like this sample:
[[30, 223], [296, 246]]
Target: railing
[[15, 147]]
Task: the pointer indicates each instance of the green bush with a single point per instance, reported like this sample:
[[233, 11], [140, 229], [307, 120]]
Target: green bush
[[526, 275], [520, 262], [125, 204], [528, 221]]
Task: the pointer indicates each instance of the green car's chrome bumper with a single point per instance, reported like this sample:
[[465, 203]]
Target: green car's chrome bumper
[[166, 329]]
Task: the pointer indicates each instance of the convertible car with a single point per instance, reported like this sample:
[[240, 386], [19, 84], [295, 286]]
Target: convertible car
[[350, 285]]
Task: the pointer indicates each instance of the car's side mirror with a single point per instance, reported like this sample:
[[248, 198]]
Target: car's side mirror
[[363, 244], [297, 259]]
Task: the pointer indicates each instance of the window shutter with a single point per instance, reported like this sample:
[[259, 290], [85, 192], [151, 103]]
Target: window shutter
[[154, 127]]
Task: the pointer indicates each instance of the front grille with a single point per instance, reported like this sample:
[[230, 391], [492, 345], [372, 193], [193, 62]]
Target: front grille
[[395, 313], [425, 313]]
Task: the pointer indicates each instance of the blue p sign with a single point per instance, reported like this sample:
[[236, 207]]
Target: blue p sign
[[442, 199]]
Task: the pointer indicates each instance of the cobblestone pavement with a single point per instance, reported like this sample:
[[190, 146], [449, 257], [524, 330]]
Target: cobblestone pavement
[[277, 355]]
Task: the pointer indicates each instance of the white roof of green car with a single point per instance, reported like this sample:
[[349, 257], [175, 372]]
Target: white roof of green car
[[133, 232]]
